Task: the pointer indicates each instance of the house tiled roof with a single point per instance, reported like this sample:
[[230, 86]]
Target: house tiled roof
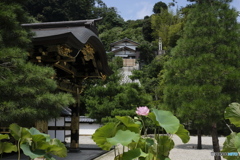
[[124, 40], [123, 48]]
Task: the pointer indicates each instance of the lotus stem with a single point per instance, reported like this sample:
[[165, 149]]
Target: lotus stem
[[18, 146]]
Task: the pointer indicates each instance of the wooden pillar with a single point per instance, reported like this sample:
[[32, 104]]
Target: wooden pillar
[[74, 146], [42, 126], [74, 128]]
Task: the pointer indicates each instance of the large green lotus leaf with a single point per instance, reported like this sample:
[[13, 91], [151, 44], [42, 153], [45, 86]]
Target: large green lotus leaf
[[129, 123], [165, 145], [43, 145], [237, 142], [4, 136], [149, 141], [38, 140], [167, 120], [152, 116], [124, 138], [49, 157], [183, 134], [20, 133], [146, 143], [143, 143], [101, 134], [32, 154], [56, 147], [229, 146], [34, 131], [233, 114], [132, 154], [6, 147]]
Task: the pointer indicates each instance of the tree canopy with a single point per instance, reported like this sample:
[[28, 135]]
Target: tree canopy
[[159, 7], [202, 76], [27, 91], [61, 10], [202, 70]]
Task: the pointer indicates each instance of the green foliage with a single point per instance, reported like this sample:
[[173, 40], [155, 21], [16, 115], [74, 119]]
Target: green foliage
[[131, 30], [127, 132], [168, 27], [147, 53], [147, 29], [6, 147], [132, 154], [104, 102], [181, 132], [110, 18], [49, 11], [232, 142], [29, 91], [33, 143], [165, 145], [150, 77], [233, 114], [159, 7], [11, 33]]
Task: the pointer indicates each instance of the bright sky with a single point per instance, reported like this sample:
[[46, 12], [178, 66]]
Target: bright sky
[[138, 9]]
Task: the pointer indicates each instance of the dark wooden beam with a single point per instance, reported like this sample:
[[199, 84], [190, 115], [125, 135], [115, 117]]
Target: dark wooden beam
[[69, 86]]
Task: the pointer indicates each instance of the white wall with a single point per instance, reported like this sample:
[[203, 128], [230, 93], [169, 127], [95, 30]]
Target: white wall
[[88, 129]]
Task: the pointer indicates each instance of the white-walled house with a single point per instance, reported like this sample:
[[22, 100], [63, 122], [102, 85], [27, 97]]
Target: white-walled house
[[127, 49]]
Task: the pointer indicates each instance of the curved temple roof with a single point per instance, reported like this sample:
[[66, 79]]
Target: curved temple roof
[[75, 34]]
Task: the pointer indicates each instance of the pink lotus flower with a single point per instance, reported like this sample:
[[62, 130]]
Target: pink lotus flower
[[143, 111]]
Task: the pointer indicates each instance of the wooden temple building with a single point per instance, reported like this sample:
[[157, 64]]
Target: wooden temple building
[[75, 51]]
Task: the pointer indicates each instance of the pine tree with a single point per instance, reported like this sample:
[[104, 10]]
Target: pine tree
[[203, 75], [27, 92]]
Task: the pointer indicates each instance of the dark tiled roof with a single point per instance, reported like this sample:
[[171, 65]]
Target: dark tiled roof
[[86, 119], [73, 33], [90, 23], [66, 112], [82, 119]]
